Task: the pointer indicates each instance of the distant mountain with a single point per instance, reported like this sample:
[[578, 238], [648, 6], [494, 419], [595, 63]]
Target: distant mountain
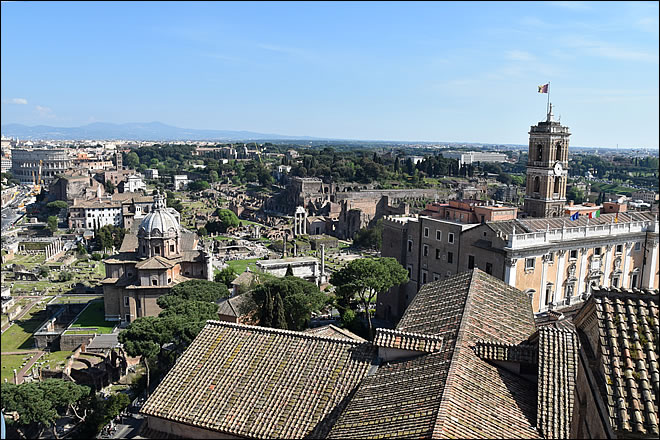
[[152, 131]]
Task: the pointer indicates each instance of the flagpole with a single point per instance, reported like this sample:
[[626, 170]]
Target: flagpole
[[547, 108]]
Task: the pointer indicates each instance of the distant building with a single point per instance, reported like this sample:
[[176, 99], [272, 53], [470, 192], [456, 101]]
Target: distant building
[[27, 163], [547, 169], [133, 183], [645, 196], [470, 157], [94, 214], [555, 260], [150, 263], [151, 173], [306, 268], [180, 182]]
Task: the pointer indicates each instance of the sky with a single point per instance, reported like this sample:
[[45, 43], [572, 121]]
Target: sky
[[446, 72]]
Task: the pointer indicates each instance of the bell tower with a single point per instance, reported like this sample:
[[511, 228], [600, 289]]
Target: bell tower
[[547, 168]]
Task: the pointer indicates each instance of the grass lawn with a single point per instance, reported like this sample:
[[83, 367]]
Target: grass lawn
[[248, 222], [55, 358], [19, 335], [94, 316], [11, 361], [240, 265]]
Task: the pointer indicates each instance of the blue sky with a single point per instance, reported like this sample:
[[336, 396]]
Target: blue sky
[[392, 71]]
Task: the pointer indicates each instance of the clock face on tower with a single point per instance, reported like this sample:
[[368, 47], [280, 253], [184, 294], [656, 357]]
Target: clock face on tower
[[558, 169]]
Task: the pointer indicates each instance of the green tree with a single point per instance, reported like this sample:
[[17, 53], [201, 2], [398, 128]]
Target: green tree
[[56, 206], [44, 271], [132, 160], [109, 187], [52, 224], [65, 276], [370, 237], [575, 194], [193, 290], [198, 185], [299, 299], [227, 219], [279, 314], [80, 248], [364, 278], [213, 176], [109, 236], [226, 276], [146, 337], [289, 271], [202, 232], [39, 405]]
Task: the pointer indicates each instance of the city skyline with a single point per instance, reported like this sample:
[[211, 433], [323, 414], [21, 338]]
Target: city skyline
[[454, 72]]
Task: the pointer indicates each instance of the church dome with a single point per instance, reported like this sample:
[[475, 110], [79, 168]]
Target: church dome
[[159, 223]]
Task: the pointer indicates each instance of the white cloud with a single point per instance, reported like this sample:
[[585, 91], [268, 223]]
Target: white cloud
[[45, 112], [520, 55], [19, 101]]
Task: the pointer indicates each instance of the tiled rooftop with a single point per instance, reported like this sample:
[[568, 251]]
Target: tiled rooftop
[[622, 329], [261, 382], [450, 392]]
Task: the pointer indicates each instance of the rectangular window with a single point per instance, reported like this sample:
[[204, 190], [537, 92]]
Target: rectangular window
[[597, 251], [409, 268], [126, 303], [171, 248], [470, 261], [154, 282], [633, 282], [551, 257], [410, 243], [128, 317], [619, 248], [615, 282], [573, 255], [450, 238], [489, 268], [437, 254], [638, 246], [426, 250], [424, 276], [426, 232], [436, 276], [450, 257], [438, 235], [529, 263]]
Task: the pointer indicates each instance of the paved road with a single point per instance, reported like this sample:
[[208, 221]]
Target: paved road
[[26, 368]]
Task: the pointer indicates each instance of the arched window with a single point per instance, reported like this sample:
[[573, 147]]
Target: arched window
[[539, 152], [559, 152], [557, 185], [537, 184]]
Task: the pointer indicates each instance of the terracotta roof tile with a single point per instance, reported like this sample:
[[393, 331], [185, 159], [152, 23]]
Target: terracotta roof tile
[[622, 328], [261, 382]]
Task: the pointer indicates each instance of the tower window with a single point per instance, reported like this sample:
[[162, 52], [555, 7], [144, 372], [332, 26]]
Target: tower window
[[558, 155], [539, 152], [557, 184], [537, 184], [171, 248]]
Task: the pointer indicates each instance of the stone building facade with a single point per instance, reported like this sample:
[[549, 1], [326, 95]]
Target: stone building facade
[[26, 164], [555, 261], [547, 169], [150, 263]]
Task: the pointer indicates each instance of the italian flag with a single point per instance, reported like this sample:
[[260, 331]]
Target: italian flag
[[594, 214]]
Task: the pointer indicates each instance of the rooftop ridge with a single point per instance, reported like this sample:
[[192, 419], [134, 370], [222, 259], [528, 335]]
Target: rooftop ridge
[[412, 334], [608, 291], [280, 331]]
